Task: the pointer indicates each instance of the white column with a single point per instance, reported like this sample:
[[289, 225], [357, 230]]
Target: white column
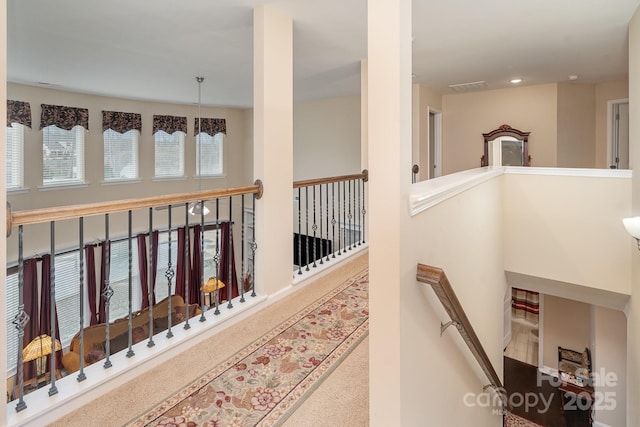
[[3, 200], [389, 118], [633, 310], [273, 146]]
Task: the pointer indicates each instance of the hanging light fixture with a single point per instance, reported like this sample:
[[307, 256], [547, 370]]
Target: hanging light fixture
[[199, 208]]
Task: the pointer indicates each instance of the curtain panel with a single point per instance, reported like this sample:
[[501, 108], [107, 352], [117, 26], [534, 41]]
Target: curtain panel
[[169, 124], [210, 126], [525, 304], [46, 306], [121, 122], [64, 117], [18, 112]]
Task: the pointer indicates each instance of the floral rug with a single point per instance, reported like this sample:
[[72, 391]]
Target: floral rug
[[512, 420], [263, 383]]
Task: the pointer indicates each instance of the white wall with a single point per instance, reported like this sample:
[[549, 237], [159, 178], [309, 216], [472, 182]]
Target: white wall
[[326, 135], [567, 324], [563, 227], [610, 364]]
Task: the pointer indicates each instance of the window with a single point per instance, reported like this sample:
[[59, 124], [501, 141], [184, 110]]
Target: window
[[169, 154], [15, 156], [211, 149], [120, 155], [62, 155]]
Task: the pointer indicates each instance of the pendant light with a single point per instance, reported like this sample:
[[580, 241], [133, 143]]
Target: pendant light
[[198, 208]]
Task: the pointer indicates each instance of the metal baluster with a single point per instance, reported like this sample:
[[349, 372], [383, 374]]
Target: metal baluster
[[169, 275], [350, 216], [333, 218], [230, 242], [187, 270], [130, 352], [202, 318], [107, 293], [52, 303], [314, 227], [81, 374], [299, 231], [242, 273], [321, 239], [339, 233], [306, 218], [364, 210], [20, 321], [357, 212], [151, 286], [254, 246], [326, 187], [217, 257]]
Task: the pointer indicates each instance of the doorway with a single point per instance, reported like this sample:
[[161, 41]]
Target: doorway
[[618, 134], [431, 147]]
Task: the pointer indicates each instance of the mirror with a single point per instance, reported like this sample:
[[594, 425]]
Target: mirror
[[511, 147]]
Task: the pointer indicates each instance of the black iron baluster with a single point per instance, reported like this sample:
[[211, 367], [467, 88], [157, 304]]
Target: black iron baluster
[[314, 227], [333, 218], [306, 213], [364, 210], [20, 321], [254, 246], [357, 212], [187, 270], [52, 303], [230, 251], [130, 352], [151, 286], [217, 257], [350, 232], [169, 275], [242, 273], [107, 293], [326, 187], [299, 231], [339, 233], [201, 279], [81, 374], [321, 238]]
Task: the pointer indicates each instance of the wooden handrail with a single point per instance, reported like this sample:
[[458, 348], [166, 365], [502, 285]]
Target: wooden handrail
[[36, 216], [317, 181], [435, 277]]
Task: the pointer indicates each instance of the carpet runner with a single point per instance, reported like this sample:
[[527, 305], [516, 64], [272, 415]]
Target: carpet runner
[[262, 384], [512, 420]]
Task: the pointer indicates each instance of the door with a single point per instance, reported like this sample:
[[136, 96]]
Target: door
[[507, 318], [619, 135]]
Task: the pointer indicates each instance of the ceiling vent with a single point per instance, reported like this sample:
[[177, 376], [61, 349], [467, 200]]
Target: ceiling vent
[[466, 87]]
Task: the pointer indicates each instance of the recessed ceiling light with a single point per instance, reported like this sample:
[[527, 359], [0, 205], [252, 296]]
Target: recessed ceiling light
[[573, 77], [515, 81]]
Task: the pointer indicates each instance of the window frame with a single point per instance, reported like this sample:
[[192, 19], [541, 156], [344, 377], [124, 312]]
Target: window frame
[[168, 139], [217, 141], [15, 135], [130, 138], [79, 178]]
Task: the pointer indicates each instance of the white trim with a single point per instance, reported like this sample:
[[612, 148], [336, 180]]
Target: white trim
[[549, 371], [437, 141], [63, 186], [593, 173], [425, 194], [599, 424]]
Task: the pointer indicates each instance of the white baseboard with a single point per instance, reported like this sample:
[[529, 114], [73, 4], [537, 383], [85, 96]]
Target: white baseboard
[[599, 424], [548, 370]]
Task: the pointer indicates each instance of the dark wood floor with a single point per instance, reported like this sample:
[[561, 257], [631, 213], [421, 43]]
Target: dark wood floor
[[522, 379]]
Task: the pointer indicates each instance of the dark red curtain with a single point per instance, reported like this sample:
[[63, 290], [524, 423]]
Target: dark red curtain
[[227, 259], [181, 270], [90, 261], [195, 276], [104, 274], [45, 308], [143, 269], [30, 299]]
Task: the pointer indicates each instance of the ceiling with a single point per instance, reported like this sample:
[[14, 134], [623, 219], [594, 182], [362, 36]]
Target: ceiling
[[154, 49]]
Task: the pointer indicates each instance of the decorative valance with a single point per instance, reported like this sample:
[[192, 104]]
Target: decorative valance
[[64, 117], [210, 126], [18, 112], [121, 122], [169, 124]]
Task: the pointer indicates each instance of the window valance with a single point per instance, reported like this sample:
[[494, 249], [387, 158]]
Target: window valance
[[18, 112], [169, 124], [121, 122], [210, 126], [64, 117]]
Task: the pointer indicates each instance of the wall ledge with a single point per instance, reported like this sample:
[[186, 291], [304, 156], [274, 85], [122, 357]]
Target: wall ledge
[[582, 172]]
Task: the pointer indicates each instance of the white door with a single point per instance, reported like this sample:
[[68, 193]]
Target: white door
[[619, 135]]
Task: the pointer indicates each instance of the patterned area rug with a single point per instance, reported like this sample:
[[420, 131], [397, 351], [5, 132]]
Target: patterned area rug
[[263, 383], [511, 420]]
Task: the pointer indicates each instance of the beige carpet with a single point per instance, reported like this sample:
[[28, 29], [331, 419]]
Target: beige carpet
[[134, 398]]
